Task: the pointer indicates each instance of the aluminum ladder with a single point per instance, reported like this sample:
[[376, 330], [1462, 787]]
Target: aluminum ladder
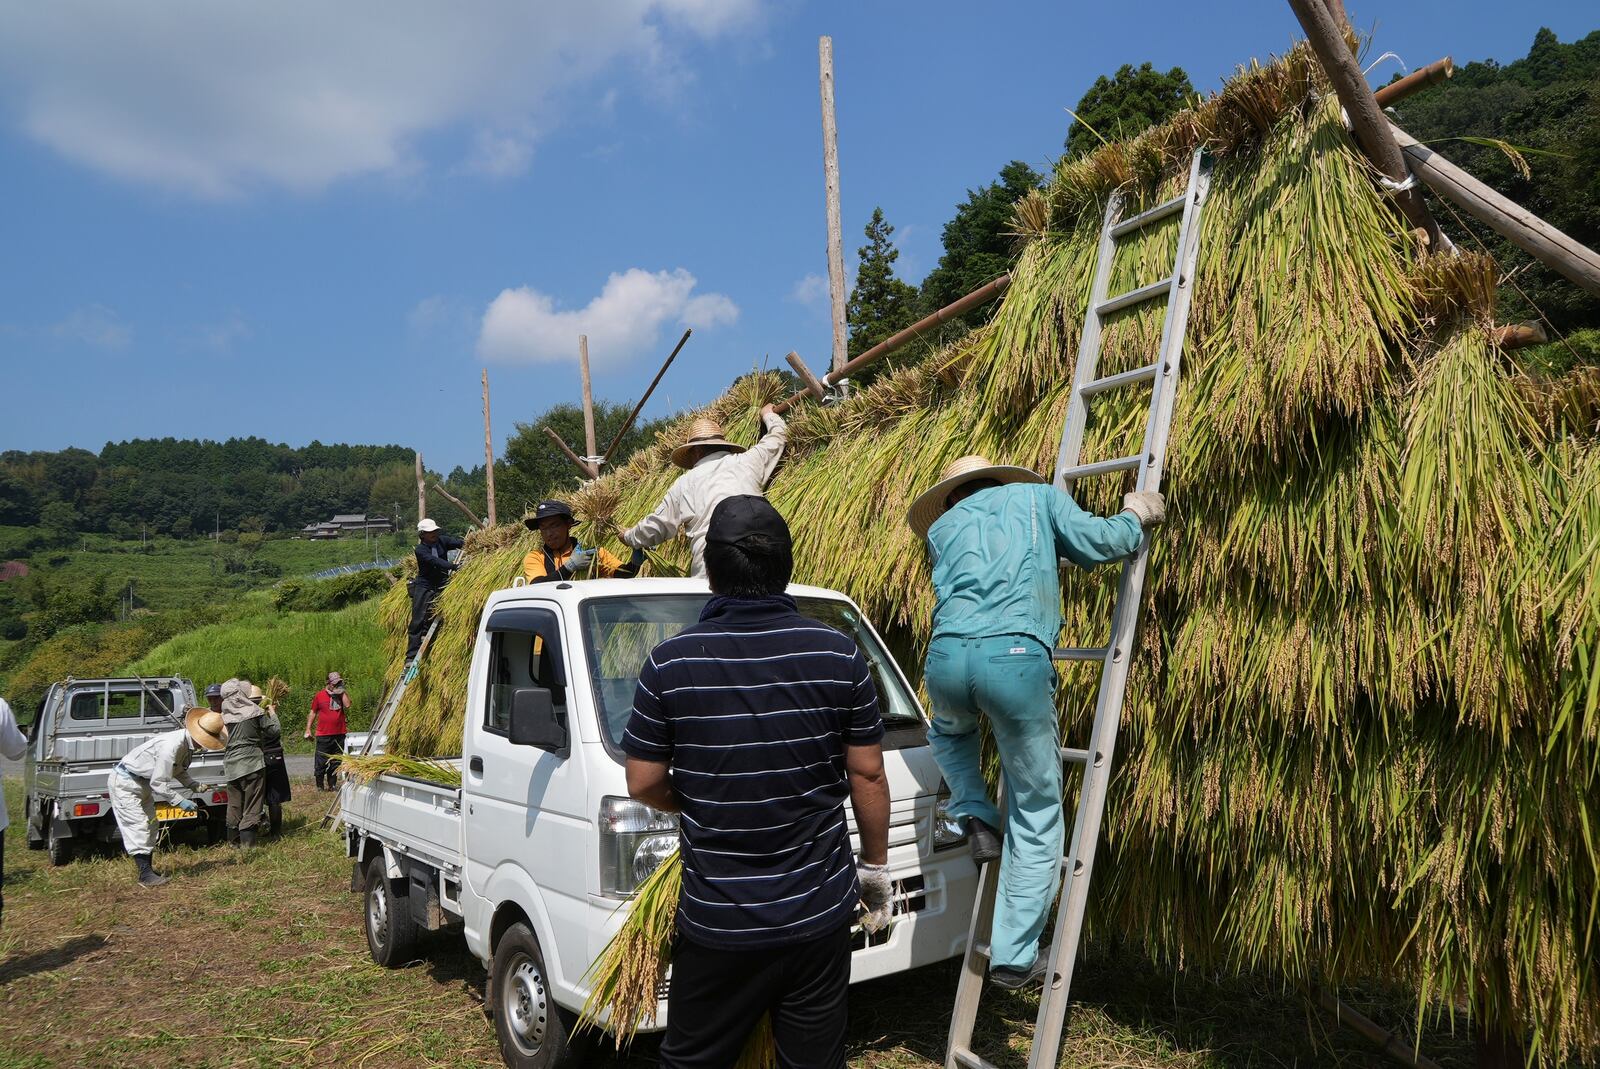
[[380, 723], [1095, 760]]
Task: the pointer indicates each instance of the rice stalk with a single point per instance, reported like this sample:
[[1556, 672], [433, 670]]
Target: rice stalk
[[364, 768]]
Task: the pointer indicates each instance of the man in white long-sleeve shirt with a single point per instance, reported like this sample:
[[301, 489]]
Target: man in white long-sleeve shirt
[[159, 768], [13, 744], [716, 469]]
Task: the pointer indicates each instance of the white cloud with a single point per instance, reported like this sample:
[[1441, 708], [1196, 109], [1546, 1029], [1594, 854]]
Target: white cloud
[[524, 325], [219, 337], [216, 99], [94, 325], [813, 289]]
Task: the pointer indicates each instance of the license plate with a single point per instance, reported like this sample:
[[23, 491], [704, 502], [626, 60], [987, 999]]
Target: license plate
[[172, 812]]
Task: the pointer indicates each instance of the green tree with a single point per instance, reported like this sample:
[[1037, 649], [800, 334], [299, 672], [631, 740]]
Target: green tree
[[1550, 102], [532, 467], [1125, 104], [59, 519], [978, 242], [880, 304]]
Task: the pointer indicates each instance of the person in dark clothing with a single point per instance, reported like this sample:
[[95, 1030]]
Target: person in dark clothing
[[277, 791], [243, 759], [755, 725], [433, 571]]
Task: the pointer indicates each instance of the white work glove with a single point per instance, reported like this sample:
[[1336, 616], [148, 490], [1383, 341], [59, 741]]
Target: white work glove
[[1147, 505], [580, 560], [876, 891]]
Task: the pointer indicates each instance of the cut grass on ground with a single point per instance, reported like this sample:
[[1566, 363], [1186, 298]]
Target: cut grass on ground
[[260, 960]]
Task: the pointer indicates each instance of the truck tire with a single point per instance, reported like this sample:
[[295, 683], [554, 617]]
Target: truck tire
[[391, 930], [60, 847], [534, 1032]]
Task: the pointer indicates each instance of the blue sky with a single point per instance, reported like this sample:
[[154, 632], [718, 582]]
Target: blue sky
[[310, 221]]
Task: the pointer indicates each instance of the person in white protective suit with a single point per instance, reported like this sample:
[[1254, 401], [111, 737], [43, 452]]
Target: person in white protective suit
[[159, 768]]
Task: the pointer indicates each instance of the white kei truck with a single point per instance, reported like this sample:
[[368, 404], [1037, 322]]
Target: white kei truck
[[538, 852]]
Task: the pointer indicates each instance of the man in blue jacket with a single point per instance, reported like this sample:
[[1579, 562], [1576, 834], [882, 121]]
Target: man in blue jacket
[[434, 567], [995, 535]]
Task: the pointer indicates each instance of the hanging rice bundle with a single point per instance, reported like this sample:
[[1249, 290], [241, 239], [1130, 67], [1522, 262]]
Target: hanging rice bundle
[[364, 768], [1362, 738]]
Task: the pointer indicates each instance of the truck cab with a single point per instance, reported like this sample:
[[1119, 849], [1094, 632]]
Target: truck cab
[[551, 848]]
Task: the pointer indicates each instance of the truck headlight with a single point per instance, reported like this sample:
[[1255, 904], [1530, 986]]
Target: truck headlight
[[948, 832], [634, 840]]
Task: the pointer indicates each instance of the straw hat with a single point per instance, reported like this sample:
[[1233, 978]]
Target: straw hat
[[206, 728], [703, 432], [930, 505]]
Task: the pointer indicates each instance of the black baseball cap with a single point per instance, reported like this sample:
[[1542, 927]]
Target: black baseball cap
[[547, 509], [736, 519]]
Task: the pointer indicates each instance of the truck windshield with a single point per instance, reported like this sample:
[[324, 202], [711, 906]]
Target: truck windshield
[[621, 632]]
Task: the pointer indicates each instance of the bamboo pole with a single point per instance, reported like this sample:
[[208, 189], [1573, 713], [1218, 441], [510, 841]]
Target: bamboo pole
[[583, 465], [830, 168], [422, 493], [1386, 1041], [460, 504], [488, 450], [1415, 82], [982, 295], [1556, 250], [1366, 119], [628, 425], [588, 398]]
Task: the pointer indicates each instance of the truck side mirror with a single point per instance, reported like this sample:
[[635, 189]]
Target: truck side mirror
[[534, 721]]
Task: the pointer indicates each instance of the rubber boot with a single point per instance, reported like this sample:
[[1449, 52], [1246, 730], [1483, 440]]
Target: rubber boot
[[985, 841], [148, 877], [247, 838], [233, 835]]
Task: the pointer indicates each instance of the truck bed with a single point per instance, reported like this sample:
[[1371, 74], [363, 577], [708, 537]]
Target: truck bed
[[415, 818]]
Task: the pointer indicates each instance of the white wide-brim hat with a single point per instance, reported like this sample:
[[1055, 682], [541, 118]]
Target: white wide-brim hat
[[930, 504]]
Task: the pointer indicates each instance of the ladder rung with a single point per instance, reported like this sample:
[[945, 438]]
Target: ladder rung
[[1080, 757], [1132, 297], [1160, 211], [1102, 467], [1125, 378], [1079, 653], [969, 1059]]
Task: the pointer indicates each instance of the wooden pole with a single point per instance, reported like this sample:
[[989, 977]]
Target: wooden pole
[[588, 398], [583, 465], [1556, 250], [1366, 119], [628, 425], [830, 168], [1340, 19], [983, 294], [1386, 1041], [1415, 82], [488, 450], [422, 493], [460, 504]]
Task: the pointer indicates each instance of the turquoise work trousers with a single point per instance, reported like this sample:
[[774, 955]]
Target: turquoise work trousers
[[1011, 680]]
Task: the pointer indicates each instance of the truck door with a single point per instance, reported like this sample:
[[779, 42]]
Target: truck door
[[525, 819]]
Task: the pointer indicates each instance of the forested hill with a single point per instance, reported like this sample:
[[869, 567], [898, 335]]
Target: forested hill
[[184, 486]]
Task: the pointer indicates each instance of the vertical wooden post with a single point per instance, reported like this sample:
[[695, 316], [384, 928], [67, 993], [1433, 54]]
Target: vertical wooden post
[[830, 167], [488, 450], [588, 398], [1366, 119], [422, 493]]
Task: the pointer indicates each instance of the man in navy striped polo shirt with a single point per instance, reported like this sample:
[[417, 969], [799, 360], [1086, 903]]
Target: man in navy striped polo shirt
[[755, 725]]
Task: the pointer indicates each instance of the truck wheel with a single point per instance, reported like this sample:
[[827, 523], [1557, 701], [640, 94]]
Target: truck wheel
[[534, 1032], [60, 847], [391, 930]]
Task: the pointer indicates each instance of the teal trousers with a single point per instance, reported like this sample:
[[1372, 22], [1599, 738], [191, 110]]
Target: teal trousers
[[1011, 680]]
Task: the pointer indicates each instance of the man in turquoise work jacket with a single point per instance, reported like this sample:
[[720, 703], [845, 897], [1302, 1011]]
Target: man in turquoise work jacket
[[995, 534]]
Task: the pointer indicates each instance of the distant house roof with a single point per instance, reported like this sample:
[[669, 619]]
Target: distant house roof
[[351, 517]]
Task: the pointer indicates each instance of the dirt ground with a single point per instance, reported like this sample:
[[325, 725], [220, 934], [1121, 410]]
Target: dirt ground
[[260, 960]]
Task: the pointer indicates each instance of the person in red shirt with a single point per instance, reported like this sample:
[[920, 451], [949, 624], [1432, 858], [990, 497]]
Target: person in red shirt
[[327, 720]]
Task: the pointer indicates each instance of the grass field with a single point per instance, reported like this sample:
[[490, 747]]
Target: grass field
[[299, 647], [260, 960]]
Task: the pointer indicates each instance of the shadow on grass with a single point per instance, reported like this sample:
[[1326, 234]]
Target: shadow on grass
[[46, 960]]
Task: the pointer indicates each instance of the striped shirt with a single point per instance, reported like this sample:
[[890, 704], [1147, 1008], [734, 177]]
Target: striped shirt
[[753, 708]]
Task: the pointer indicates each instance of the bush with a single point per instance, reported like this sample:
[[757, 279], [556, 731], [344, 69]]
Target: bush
[[13, 628], [327, 595]]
